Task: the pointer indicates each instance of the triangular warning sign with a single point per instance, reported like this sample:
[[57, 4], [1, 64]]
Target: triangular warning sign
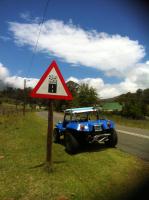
[[52, 85]]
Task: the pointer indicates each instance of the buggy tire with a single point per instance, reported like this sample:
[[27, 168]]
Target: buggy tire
[[71, 143], [113, 139], [56, 136]]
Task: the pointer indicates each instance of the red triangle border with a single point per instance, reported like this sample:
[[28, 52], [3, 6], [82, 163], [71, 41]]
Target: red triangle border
[[49, 96]]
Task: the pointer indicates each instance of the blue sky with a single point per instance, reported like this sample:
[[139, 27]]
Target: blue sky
[[100, 42]]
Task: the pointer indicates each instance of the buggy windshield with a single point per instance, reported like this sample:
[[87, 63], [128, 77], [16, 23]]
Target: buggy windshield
[[82, 116]]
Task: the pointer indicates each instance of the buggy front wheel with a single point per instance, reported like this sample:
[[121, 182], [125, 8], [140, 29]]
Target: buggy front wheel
[[113, 139], [71, 143]]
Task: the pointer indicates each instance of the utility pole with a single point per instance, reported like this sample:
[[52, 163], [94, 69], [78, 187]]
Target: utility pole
[[24, 103]]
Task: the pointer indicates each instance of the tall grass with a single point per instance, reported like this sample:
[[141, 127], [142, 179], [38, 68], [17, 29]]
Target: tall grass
[[96, 173]]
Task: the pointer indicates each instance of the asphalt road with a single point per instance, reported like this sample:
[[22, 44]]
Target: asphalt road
[[134, 141], [131, 140]]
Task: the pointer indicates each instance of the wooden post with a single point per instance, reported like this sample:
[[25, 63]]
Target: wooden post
[[24, 104], [50, 136]]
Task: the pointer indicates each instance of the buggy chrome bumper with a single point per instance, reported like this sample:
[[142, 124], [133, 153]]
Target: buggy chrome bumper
[[100, 137]]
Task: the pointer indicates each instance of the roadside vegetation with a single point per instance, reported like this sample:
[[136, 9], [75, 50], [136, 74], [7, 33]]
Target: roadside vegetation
[[134, 113], [95, 173], [120, 120], [135, 105]]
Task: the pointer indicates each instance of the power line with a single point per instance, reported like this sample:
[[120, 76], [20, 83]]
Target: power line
[[34, 50], [40, 28]]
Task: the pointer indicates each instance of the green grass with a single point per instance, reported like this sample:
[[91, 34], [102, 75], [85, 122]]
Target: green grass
[[105, 174], [144, 124], [9, 105]]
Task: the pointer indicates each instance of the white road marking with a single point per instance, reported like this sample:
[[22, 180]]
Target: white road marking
[[134, 134]]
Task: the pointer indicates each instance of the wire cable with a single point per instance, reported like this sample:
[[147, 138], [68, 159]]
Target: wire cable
[[40, 28]]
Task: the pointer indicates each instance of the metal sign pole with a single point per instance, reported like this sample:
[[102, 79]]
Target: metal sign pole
[[50, 136]]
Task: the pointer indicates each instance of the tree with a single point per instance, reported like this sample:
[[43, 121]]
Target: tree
[[87, 96], [133, 106], [74, 89], [83, 95]]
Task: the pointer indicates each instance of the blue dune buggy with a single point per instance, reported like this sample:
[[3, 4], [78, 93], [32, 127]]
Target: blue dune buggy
[[84, 125]]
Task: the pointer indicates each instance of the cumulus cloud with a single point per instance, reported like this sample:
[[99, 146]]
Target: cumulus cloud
[[14, 81], [137, 78], [3, 72], [115, 55], [18, 82], [73, 44]]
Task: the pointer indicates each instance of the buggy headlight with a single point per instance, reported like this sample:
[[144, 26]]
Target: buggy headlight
[[109, 124], [82, 127]]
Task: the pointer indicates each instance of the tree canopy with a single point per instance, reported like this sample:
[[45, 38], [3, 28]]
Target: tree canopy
[[135, 105], [83, 95]]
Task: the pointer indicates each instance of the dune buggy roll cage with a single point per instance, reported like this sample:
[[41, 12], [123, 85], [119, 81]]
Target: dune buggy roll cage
[[86, 113]]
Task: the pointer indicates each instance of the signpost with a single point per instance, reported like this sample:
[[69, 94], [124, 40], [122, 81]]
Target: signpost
[[51, 86], [24, 103]]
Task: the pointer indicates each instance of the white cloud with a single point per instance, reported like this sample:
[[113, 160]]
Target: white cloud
[[115, 55], [3, 72], [14, 81], [73, 79], [137, 78], [27, 16], [109, 53], [110, 91], [97, 83], [18, 82]]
